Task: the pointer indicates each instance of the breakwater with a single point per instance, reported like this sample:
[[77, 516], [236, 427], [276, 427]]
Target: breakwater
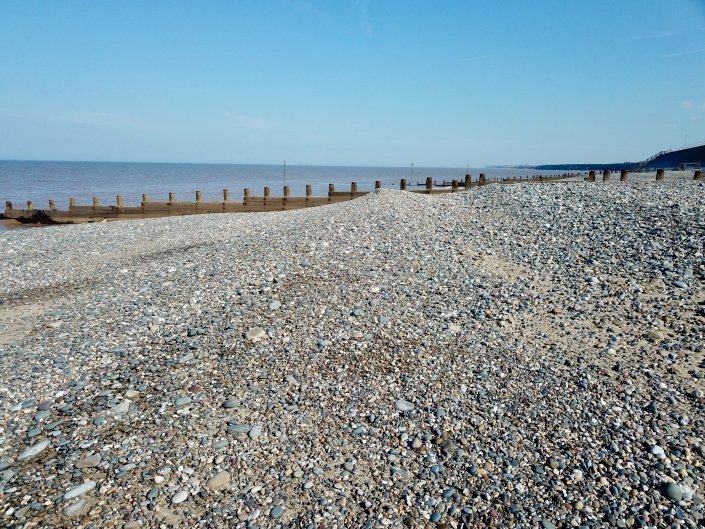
[[95, 212]]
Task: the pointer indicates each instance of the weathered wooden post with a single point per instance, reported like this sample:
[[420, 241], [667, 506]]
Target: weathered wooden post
[[591, 176], [8, 205], [454, 186], [198, 196], [429, 184], [52, 204], [245, 195], [623, 175], [468, 181], [697, 175], [172, 198], [145, 198], [353, 187], [606, 175], [659, 174], [96, 202], [309, 190], [29, 205], [402, 184], [118, 201], [226, 195], [482, 179], [331, 189], [266, 192], [378, 184]]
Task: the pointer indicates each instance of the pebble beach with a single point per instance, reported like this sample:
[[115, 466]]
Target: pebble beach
[[527, 356]]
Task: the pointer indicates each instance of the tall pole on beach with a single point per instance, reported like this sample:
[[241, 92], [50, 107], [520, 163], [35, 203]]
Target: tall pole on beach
[[284, 172]]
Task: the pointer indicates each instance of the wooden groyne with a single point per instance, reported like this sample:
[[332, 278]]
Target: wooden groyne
[[250, 203]]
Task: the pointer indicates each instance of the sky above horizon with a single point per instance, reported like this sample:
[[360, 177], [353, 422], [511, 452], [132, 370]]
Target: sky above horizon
[[368, 83]]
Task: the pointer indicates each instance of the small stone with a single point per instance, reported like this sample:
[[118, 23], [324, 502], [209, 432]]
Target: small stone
[[45, 405], [41, 415], [276, 512], [403, 405], [219, 481], [672, 491], [658, 452], [179, 497], [274, 305], [230, 403], [546, 524], [655, 335], [78, 508], [182, 401], [255, 432], [34, 450], [255, 333], [88, 462], [132, 394], [80, 490], [121, 408], [238, 428]]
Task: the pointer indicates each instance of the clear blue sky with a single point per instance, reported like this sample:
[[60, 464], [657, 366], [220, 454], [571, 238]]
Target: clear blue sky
[[353, 83]]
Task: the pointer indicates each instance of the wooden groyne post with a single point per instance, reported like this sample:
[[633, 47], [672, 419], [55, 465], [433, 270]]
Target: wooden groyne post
[[606, 175], [591, 176], [151, 208], [623, 174], [698, 175], [659, 174]]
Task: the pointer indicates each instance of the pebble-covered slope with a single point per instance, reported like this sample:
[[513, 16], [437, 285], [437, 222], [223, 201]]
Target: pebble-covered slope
[[514, 356]]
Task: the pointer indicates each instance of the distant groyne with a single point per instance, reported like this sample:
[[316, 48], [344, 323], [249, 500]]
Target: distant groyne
[[149, 208]]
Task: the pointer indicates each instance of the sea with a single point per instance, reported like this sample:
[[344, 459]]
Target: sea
[[40, 181]]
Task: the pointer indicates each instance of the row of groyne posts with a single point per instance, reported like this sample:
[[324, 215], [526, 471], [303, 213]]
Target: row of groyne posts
[[624, 174], [266, 202]]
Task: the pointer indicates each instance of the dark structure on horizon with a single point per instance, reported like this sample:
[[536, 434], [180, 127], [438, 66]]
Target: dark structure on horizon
[[690, 157]]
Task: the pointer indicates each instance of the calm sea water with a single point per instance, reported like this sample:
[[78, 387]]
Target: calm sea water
[[40, 181]]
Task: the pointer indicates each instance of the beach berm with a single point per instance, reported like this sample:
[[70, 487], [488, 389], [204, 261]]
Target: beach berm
[[512, 356]]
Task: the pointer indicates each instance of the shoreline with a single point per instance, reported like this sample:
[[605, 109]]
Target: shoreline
[[399, 359]]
